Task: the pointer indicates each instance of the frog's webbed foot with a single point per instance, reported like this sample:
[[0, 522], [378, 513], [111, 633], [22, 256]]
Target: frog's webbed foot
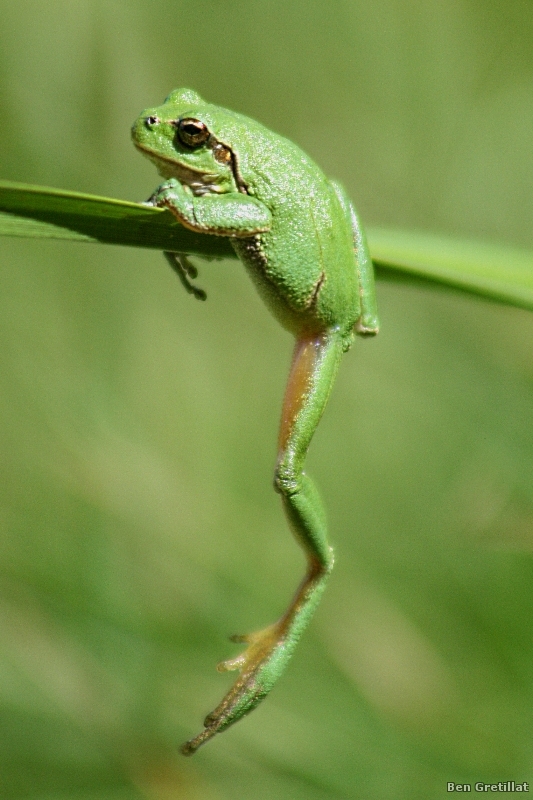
[[249, 688], [264, 660], [257, 675], [185, 270]]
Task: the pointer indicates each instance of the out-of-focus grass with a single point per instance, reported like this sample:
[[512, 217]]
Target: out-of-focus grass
[[138, 427]]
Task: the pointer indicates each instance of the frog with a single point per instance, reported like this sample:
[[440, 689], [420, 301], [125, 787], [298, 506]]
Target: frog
[[301, 241]]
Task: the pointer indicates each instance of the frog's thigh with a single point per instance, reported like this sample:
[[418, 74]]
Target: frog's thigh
[[314, 367]]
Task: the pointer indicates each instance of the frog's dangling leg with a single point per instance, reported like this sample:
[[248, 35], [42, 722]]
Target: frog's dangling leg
[[314, 366]]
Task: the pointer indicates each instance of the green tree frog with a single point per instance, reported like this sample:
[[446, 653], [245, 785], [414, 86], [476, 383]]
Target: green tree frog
[[301, 241]]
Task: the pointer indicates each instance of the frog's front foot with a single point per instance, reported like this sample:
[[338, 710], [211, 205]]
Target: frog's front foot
[[185, 270], [167, 191]]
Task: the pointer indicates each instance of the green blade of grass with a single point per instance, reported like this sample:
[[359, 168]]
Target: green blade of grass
[[38, 211], [496, 272]]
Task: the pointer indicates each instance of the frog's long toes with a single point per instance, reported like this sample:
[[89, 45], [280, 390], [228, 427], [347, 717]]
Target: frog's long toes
[[240, 637], [255, 681], [190, 747], [232, 663]]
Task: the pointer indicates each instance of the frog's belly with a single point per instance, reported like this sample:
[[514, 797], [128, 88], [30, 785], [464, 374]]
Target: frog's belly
[[289, 294], [304, 296]]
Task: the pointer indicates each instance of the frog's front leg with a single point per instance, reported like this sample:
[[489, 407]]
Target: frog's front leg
[[315, 362], [229, 214], [222, 214]]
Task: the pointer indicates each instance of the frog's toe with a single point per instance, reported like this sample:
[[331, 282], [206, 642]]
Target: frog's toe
[[240, 637], [260, 644], [258, 673], [232, 663]]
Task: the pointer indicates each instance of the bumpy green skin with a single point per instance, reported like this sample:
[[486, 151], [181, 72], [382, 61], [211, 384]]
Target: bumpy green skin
[[300, 239]]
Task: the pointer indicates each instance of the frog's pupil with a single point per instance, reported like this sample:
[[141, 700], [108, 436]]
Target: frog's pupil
[[192, 132]]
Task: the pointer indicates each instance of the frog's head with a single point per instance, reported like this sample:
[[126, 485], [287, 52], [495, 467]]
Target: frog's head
[[181, 137]]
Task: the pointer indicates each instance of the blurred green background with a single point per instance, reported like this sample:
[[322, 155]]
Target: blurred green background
[[138, 427]]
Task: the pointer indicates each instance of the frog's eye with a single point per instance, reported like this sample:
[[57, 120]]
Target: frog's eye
[[192, 132]]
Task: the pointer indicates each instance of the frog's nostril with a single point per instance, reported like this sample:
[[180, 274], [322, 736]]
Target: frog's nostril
[[151, 121]]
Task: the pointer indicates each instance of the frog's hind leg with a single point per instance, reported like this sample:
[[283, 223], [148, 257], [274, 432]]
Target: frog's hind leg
[[315, 363], [368, 323]]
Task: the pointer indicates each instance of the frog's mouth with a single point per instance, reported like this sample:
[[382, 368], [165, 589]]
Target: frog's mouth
[[199, 182]]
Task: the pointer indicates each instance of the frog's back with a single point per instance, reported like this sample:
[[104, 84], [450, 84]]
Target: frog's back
[[304, 267]]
